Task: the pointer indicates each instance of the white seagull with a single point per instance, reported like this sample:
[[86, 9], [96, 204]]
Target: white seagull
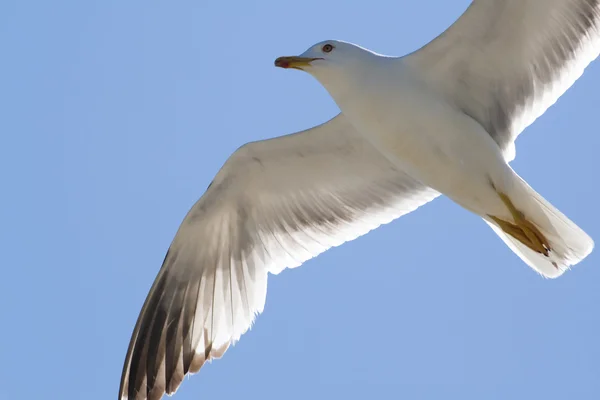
[[440, 120]]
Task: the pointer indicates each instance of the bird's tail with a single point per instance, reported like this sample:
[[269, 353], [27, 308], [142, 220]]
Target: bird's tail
[[550, 243]]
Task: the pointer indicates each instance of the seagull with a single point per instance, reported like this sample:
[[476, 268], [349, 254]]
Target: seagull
[[440, 120]]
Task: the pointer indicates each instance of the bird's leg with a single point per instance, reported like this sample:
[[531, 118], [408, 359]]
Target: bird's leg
[[522, 229], [511, 229]]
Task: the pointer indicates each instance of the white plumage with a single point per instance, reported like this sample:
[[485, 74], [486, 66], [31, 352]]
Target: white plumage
[[505, 62], [440, 120]]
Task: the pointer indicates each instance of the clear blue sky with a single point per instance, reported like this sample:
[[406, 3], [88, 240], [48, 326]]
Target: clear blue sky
[[115, 116]]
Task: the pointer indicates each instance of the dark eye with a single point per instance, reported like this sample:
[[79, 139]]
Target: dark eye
[[327, 48]]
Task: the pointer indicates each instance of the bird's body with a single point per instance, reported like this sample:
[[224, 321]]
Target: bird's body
[[441, 120], [424, 134], [428, 136]]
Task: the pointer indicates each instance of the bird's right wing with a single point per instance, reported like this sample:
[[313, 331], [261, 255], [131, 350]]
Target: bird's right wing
[[274, 204], [504, 62]]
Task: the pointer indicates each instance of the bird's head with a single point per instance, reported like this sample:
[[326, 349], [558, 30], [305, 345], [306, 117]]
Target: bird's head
[[328, 61]]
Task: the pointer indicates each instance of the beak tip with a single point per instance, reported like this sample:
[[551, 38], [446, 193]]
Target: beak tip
[[281, 62]]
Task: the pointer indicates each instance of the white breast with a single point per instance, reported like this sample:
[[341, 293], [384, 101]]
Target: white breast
[[426, 136]]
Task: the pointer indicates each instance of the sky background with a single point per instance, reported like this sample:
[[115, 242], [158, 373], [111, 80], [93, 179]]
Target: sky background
[[116, 115]]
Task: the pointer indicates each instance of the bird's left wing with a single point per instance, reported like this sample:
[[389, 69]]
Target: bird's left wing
[[274, 204], [504, 62]]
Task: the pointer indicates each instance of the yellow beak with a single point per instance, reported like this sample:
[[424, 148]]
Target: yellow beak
[[294, 62]]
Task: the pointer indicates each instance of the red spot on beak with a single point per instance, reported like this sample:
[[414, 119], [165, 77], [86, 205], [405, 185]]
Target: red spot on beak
[[282, 63]]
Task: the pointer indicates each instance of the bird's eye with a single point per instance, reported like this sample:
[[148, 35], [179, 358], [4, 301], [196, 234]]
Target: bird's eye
[[327, 48]]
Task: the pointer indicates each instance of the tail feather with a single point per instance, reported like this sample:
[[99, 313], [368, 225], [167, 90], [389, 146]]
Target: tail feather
[[569, 244]]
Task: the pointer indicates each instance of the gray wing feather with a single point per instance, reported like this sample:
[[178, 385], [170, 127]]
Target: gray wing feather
[[504, 62], [274, 204]]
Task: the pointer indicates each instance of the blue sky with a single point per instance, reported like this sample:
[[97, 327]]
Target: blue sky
[[116, 116]]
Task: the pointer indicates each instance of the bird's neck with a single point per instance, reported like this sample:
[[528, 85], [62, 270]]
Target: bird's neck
[[357, 89]]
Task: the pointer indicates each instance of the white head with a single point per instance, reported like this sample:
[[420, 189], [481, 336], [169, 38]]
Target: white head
[[331, 62]]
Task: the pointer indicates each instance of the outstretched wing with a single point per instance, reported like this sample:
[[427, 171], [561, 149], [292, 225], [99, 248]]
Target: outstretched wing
[[504, 62], [274, 204]]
